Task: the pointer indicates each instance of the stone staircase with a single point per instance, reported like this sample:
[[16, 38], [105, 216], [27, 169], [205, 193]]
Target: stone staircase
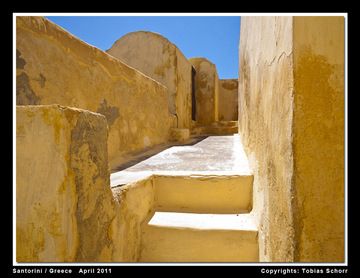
[[216, 128], [201, 219]]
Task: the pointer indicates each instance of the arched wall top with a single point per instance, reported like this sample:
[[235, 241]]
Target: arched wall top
[[157, 57], [201, 59], [149, 33]]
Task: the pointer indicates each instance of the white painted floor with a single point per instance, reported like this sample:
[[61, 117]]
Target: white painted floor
[[215, 155]]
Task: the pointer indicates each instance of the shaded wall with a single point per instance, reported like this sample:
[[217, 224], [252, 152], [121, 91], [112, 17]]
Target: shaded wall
[[291, 122], [160, 59], [55, 67], [206, 91], [265, 126], [228, 100]]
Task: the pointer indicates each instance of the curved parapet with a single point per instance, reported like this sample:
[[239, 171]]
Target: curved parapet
[[158, 58], [54, 67]]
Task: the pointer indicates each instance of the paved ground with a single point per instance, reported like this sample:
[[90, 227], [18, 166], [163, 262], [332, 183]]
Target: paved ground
[[213, 155]]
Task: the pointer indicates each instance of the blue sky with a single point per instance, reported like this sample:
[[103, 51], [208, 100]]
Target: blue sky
[[213, 37]]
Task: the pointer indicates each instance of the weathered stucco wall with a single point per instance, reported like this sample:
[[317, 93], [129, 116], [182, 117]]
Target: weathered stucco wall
[[64, 204], [319, 138], [55, 67], [206, 90], [291, 101], [160, 59], [65, 209], [228, 100], [265, 125]]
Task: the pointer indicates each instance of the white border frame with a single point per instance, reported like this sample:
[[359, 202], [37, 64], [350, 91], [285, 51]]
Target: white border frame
[[264, 264]]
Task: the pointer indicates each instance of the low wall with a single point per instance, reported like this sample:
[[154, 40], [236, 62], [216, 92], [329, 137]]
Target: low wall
[[65, 209], [54, 67], [64, 204], [136, 205]]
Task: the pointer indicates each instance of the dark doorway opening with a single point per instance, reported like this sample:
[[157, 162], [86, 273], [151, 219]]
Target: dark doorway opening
[[193, 98]]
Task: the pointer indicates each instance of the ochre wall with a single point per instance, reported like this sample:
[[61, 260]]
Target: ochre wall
[[206, 91], [265, 126], [161, 60], [64, 204], [291, 120], [319, 138], [65, 209], [55, 67], [228, 100]]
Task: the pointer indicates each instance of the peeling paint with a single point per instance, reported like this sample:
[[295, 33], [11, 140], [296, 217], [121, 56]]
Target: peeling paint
[[42, 80], [20, 62], [88, 143], [24, 93], [110, 112]]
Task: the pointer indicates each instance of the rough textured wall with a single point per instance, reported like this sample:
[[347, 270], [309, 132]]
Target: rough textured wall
[[319, 137], [291, 119], [64, 205], [158, 58], [228, 100], [206, 90], [265, 126], [55, 67]]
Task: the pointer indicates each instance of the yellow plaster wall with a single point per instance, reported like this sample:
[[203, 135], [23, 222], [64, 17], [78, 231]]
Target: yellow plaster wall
[[160, 59], [55, 67], [318, 140], [228, 100], [291, 120], [206, 91], [64, 205], [265, 126]]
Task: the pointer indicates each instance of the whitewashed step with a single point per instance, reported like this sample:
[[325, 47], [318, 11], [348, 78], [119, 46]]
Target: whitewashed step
[[191, 237], [204, 194]]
